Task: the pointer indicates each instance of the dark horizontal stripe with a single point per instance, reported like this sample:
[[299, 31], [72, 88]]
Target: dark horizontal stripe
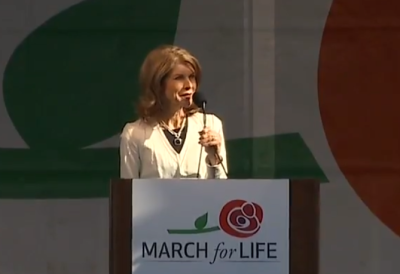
[[87, 173]]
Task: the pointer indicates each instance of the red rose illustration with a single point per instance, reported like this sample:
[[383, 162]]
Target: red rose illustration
[[240, 218]]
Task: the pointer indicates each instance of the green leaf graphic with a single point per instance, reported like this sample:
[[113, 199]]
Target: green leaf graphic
[[73, 81], [201, 222], [200, 227], [276, 156]]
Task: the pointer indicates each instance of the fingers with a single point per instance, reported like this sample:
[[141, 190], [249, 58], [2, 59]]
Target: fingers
[[205, 131], [210, 140], [211, 143], [208, 133], [209, 137]]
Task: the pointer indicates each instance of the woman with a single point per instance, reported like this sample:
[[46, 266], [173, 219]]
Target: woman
[[169, 137]]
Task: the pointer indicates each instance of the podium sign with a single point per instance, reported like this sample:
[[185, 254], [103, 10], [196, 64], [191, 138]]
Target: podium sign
[[216, 226]]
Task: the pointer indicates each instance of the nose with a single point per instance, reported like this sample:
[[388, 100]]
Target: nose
[[188, 84]]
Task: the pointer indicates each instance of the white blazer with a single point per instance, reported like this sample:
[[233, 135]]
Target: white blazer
[[145, 152]]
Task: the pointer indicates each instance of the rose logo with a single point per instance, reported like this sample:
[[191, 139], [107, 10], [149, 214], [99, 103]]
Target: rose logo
[[240, 218], [237, 218]]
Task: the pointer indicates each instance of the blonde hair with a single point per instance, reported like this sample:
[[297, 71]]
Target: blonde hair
[[154, 71]]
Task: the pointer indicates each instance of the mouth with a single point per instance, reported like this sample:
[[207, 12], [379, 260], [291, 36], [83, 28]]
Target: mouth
[[186, 95]]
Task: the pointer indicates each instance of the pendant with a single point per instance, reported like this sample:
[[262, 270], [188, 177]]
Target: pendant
[[177, 141]]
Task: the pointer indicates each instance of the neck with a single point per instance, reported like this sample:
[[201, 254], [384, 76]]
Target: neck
[[174, 119]]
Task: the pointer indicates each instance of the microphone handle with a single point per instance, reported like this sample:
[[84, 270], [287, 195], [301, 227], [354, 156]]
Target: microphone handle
[[220, 159], [204, 114], [201, 147]]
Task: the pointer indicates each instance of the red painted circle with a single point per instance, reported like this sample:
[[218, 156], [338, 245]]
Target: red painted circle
[[240, 218], [359, 96]]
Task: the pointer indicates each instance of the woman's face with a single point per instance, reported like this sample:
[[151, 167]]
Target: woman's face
[[180, 86]]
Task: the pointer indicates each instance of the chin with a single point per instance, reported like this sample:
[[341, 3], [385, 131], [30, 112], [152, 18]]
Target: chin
[[186, 103]]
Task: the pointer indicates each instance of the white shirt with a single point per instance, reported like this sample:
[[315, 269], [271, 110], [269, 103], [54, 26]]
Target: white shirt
[[145, 152]]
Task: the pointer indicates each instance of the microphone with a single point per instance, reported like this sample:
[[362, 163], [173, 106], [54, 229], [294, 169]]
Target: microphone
[[200, 100]]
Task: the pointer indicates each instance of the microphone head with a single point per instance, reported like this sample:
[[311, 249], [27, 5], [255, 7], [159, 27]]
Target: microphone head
[[199, 99]]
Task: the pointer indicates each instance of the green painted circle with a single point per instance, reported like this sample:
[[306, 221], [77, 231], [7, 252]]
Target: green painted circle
[[73, 81]]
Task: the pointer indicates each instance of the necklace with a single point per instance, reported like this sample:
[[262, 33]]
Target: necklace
[[177, 140]]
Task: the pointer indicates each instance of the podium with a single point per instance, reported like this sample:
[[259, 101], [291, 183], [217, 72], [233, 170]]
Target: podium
[[300, 251]]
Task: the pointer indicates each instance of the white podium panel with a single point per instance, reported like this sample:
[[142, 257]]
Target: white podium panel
[[213, 227]]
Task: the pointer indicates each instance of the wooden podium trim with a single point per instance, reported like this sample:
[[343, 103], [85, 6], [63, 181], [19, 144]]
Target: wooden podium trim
[[303, 234], [304, 227], [120, 227]]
